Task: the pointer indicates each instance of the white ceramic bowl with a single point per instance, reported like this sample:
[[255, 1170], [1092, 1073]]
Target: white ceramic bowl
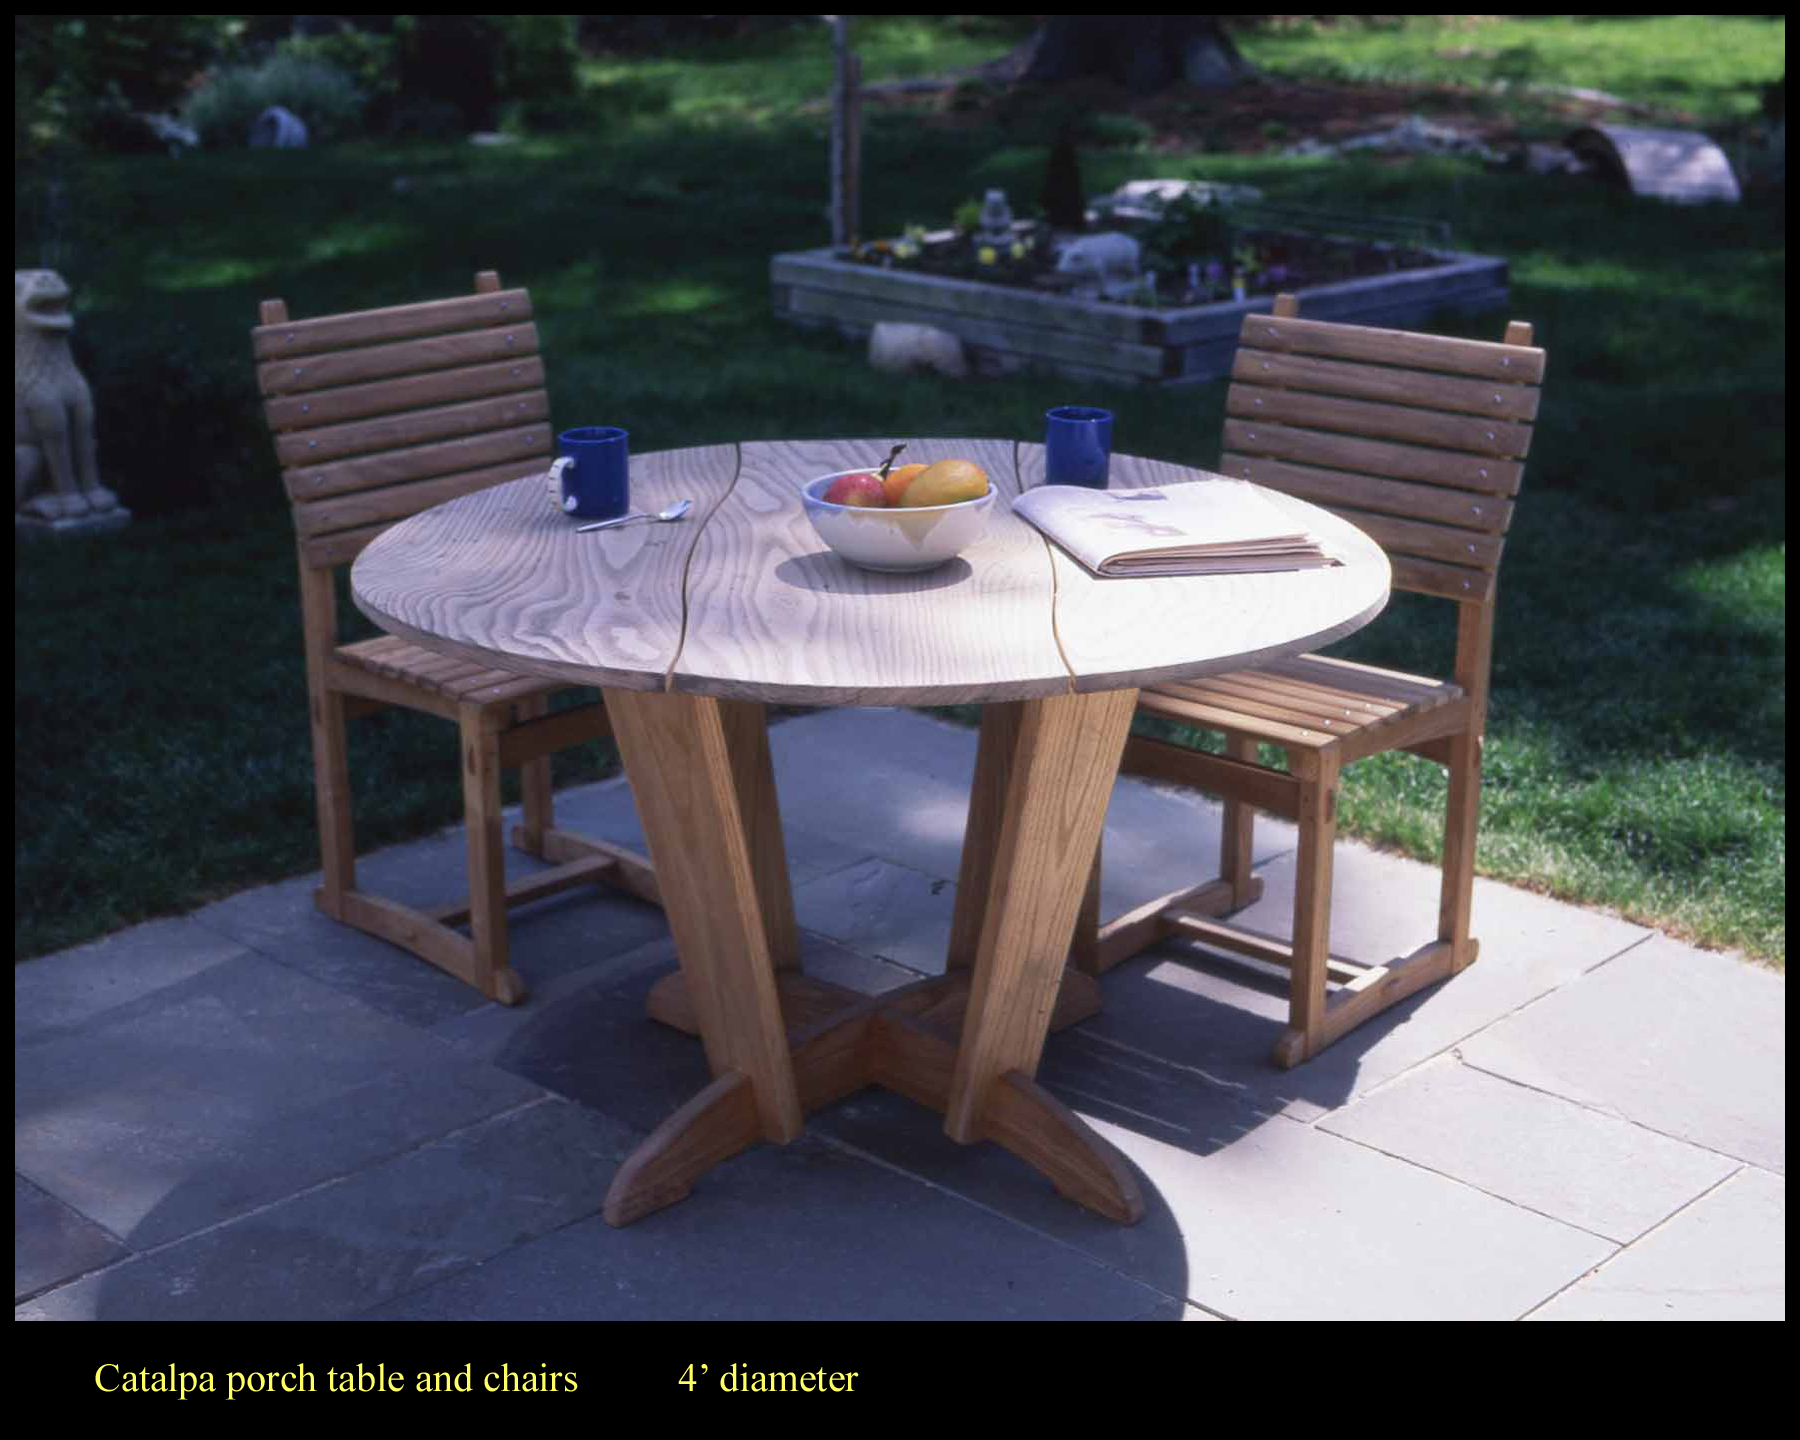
[[918, 537]]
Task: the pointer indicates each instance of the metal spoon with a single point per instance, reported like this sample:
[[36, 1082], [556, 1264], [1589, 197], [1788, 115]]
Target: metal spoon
[[674, 512]]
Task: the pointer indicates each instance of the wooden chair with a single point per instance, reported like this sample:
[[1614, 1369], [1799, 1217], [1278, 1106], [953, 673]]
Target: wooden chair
[[376, 415], [1419, 440]]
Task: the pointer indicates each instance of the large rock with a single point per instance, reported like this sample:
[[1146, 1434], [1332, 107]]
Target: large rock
[[1679, 165], [900, 347], [278, 128]]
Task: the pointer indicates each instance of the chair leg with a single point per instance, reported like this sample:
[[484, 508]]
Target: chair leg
[[1305, 1035], [1237, 835], [331, 792], [537, 801], [487, 874], [1459, 850]]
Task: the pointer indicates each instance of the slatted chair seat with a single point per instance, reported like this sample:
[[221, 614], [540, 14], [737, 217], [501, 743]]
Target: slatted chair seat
[[377, 415], [1314, 701], [455, 681], [1420, 440]]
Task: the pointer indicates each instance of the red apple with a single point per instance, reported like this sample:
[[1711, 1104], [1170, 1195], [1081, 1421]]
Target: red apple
[[861, 488]]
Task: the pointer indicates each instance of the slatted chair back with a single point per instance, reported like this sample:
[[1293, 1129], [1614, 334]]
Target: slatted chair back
[[379, 414], [1420, 440]]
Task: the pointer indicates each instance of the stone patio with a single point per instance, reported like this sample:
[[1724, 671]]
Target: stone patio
[[254, 1113]]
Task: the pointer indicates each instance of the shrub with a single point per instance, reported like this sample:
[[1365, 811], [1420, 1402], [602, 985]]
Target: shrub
[[366, 56], [1188, 231], [225, 108], [84, 77]]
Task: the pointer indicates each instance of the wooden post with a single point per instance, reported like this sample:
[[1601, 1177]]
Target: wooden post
[[839, 50], [853, 146], [846, 138]]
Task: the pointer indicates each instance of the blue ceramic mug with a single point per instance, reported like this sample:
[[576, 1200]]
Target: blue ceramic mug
[[1077, 446], [592, 476]]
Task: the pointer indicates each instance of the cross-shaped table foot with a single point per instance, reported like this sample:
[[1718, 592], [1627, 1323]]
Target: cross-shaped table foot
[[781, 1043]]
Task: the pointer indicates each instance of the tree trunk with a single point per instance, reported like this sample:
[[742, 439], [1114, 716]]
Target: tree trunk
[[1144, 53]]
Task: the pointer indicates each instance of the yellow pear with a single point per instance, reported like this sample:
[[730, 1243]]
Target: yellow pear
[[946, 483]]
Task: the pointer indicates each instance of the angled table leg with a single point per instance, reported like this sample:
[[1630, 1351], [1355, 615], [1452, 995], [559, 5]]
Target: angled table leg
[[995, 754], [1060, 761], [678, 757]]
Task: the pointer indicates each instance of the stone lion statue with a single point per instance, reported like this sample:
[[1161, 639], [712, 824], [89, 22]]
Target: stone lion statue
[[55, 474]]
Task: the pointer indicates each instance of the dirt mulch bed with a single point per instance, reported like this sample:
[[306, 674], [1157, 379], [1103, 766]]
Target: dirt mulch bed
[[1265, 115]]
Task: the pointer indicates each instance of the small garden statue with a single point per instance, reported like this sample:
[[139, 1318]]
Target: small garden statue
[[1110, 259], [996, 220], [56, 477]]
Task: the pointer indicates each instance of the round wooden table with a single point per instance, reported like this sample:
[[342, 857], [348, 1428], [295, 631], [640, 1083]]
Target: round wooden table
[[690, 628]]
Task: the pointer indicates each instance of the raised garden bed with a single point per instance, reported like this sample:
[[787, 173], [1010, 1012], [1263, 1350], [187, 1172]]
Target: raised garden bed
[[1006, 328]]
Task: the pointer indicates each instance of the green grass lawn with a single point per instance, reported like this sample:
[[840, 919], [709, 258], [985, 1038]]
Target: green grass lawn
[[1710, 68], [1636, 756]]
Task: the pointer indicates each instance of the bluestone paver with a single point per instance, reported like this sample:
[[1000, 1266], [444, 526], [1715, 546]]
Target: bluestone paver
[[910, 803], [882, 909], [606, 811], [1541, 1151], [91, 979], [1224, 1017], [1722, 1258], [229, 1090], [1690, 1044], [53, 1243], [562, 932], [1249, 1214], [794, 1232], [339, 1249]]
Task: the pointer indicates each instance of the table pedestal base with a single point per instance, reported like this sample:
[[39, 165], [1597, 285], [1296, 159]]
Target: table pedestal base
[[906, 1040], [779, 1044]]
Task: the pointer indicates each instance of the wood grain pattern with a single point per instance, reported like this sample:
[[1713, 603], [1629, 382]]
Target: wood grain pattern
[[1483, 435], [981, 834], [679, 762], [279, 340], [776, 615], [717, 1123], [502, 578], [1502, 400], [504, 444], [1381, 458], [301, 449], [1116, 633], [1475, 358], [1065, 755], [770, 614], [1465, 510], [334, 407], [384, 362]]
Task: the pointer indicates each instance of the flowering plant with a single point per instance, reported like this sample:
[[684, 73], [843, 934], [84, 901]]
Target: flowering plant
[[1193, 254], [950, 252]]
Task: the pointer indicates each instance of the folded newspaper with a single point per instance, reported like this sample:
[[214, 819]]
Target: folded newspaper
[[1204, 527]]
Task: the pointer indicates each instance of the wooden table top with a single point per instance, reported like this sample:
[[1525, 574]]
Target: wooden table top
[[744, 601]]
